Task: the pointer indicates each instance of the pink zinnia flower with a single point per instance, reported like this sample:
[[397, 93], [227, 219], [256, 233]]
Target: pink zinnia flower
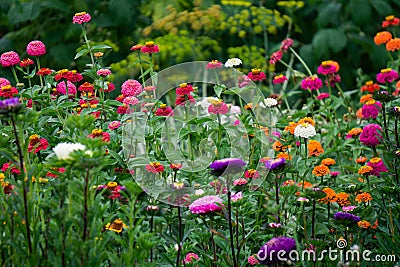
[[243, 80], [256, 75], [206, 204], [323, 96], [130, 100], [3, 82], [149, 88], [311, 83], [61, 88], [131, 88], [275, 57], [98, 133], [377, 165], [136, 47], [252, 260], [114, 125], [371, 109], [190, 257], [218, 107], [237, 196], [332, 80], [387, 76], [279, 79], [251, 173], [155, 167], [183, 99], [150, 48], [164, 111], [103, 72], [348, 208], [184, 89], [80, 18], [110, 87], [9, 59], [286, 44], [370, 135], [240, 181], [328, 67], [36, 48], [214, 64]]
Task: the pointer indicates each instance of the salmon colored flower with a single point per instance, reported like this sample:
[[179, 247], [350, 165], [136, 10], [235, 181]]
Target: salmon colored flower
[[26, 63], [136, 47], [44, 71], [86, 87], [155, 167], [370, 87], [364, 224], [361, 159], [98, 133], [175, 166], [354, 132], [382, 37], [363, 197], [365, 170], [366, 98]]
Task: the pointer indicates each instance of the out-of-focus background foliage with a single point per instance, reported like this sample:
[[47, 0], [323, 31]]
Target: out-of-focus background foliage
[[341, 30]]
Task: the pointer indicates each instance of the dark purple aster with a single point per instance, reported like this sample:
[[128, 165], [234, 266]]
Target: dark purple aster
[[346, 218], [274, 164], [227, 166], [268, 253]]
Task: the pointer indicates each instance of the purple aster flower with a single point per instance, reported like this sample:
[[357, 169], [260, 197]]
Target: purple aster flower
[[282, 246], [274, 164], [11, 104], [227, 166], [206, 204], [346, 218]]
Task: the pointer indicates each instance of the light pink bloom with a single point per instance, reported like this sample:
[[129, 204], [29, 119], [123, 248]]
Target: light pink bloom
[[131, 88], [206, 204], [114, 125]]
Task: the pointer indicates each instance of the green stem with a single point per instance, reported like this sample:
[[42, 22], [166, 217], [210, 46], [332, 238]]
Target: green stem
[[301, 61], [14, 74], [40, 76], [88, 44]]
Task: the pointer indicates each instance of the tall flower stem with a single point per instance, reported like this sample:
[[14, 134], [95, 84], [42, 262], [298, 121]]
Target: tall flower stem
[[213, 244], [25, 184], [301, 61], [14, 74], [87, 44], [277, 198], [85, 212], [40, 76], [180, 237], [313, 220], [231, 228]]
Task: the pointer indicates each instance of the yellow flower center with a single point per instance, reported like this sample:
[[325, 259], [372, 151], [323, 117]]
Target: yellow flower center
[[255, 71], [375, 160], [389, 18], [97, 132], [386, 70], [369, 83], [183, 85], [34, 137], [370, 102], [80, 14], [62, 71], [149, 44], [112, 185], [6, 88], [163, 106]]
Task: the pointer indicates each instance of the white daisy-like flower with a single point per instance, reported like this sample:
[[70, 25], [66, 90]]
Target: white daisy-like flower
[[199, 192], [63, 150], [304, 130], [233, 62], [269, 103]]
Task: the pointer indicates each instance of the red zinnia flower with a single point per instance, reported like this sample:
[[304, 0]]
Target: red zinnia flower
[[155, 167], [37, 143], [164, 111], [7, 91], [26, 63], [44, 71], [256, 75], [150, 48]]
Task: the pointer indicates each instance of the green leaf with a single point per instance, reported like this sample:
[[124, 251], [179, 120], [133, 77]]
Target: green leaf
[[81, 53], [360, 10], [218, 89], [100, 47], [382, 7], [55, 4], [330, 13], [321, 229]]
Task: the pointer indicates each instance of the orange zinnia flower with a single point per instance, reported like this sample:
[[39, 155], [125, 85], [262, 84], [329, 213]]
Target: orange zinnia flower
[[307, 120], [306, 184], [365, 169], [393, 45], [277, 146], [314, 148], [364, 224], [290, 127], [284, 155], [321, 170], [330, 196], [365, 98], [361, 160], [382, 37], [370, 87], [375, 225], [342, 199], [328, 161], [363, 197]]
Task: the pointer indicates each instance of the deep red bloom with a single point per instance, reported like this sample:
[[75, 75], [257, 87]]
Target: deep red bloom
[[26, 63], [164, 111], [7, 91], [44, 71]]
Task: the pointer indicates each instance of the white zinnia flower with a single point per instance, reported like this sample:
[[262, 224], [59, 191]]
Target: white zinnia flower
[[232, 62], [63, 150], [269, 102], [304, 130], [198, 192]]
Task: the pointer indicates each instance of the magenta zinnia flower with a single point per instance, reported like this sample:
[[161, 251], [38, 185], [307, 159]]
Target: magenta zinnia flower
[[114, 125], [3, 82], [377, 165], [370, 135], [9, 59], [275, 57], [36, 48], [214, 64], [150, 48], [311, 83], [279, 79], [371, 109], [80, 18], [61, 88], [164, 111], [256, 75], [286, 44], [190, 257], [387, 76], [206, 204], [218, 107], [322, 96], [184, 89], [131, 88]]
